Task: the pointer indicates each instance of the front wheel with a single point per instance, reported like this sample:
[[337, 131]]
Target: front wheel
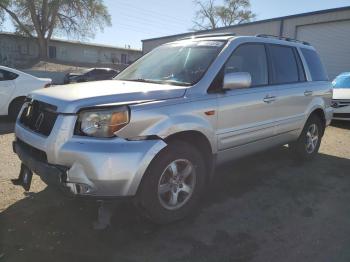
[[308, 144], [173, 183]]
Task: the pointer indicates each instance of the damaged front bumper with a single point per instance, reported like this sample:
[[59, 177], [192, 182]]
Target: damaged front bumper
[[87, 166]]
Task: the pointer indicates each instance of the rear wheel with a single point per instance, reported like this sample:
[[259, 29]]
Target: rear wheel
[[308, 144], [15, 107], [173, 184]]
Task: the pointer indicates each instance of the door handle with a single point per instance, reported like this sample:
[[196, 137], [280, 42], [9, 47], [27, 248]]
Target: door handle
[[308, 93], [269, 99]]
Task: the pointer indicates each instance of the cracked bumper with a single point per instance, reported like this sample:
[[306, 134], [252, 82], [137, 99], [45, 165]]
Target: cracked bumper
[[92, 167]]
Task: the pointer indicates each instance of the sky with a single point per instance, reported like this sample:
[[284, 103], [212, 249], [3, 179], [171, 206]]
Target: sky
[[134, 20]]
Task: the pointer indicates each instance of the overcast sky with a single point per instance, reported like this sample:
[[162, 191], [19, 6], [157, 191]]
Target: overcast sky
[[134, 20]]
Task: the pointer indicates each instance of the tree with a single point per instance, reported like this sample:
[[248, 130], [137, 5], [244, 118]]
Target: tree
[[211, 16], [44, 18]]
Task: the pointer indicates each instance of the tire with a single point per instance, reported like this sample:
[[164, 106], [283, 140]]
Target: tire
[[15, 107], [163, 197], [306, 147]]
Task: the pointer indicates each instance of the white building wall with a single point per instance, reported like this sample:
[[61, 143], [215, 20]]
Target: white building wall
[[70, 52], [291, 24], [271, 28], [332, 41], [289, 27], [18, 51], [328, 31]]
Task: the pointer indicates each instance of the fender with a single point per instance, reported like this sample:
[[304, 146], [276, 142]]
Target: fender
[[168, 121], [316, 103]]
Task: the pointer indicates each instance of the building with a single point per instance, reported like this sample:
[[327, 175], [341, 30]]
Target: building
[[327, 30], [20, 51]]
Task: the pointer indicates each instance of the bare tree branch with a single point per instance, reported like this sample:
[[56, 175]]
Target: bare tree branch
[[16, 19], [210, 16], [34, 17], [45, 18]]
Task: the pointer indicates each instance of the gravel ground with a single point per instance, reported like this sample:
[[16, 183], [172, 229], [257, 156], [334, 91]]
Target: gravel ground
[[261, 208]]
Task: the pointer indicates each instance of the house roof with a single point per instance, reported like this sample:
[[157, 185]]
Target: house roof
[[77, 42], [255, 22]]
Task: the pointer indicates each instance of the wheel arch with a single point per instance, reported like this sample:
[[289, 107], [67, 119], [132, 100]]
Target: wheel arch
[[13, 101], [200, 141], [319, 112]]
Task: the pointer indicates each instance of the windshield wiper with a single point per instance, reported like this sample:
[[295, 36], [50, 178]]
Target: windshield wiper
[[175, 83], [170, 82], [143, 80]]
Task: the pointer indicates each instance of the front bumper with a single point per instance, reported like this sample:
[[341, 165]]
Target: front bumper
[[88, 166], [50, 174], [328, 115], [342, 113]]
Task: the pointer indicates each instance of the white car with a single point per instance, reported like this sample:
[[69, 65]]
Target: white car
[[14, 87], [341, 97]]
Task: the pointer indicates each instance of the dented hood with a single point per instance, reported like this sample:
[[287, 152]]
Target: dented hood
[[71, 98]]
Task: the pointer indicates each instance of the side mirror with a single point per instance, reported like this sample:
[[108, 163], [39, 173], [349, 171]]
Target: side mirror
[[237, 80]]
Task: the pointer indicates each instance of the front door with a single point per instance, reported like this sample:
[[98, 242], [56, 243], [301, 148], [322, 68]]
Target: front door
[[247, 115]]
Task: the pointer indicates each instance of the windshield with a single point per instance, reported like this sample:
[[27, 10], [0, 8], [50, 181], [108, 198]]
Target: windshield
[[183, 63], [342, 81]]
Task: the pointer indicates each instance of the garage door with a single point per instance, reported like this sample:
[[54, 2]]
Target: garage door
[[332, 40]]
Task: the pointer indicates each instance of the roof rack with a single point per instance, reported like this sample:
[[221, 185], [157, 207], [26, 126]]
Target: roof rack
[[207, 35], [283, 38]]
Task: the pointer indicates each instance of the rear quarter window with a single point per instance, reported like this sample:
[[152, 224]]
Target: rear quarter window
[[316, 68], [7, 75]]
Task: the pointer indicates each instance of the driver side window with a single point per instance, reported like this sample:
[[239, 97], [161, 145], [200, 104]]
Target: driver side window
[[249, 58]]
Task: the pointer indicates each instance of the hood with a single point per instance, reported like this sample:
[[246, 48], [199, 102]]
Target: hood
[[341, 93], [71, 98]]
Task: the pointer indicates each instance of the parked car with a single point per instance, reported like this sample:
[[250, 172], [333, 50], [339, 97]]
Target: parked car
[[14, 87], [92, 74], [341, 97], [157, 132]]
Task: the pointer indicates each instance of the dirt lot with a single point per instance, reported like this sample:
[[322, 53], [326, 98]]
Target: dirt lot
[[262, 208]]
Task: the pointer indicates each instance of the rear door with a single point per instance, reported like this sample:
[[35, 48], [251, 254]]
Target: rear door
[[247, 115], [7, 88], [293, 93]]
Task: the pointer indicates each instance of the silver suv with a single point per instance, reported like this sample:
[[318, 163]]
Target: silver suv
[[157, 131]]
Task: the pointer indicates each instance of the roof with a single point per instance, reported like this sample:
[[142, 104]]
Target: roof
[[257, 38], [251, 23], [78, 42]]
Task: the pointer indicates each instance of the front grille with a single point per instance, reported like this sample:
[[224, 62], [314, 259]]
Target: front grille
[[34, 152], [341, 115], [337, 103], [39, 117]]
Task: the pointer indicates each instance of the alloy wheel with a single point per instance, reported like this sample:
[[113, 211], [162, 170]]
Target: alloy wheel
[[176, 184], [312, 137]]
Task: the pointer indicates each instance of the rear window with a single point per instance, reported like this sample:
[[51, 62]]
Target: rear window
[[316, 68], [284, 66]]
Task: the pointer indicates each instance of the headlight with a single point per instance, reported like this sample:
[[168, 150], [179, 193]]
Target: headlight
[[102, 122]]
